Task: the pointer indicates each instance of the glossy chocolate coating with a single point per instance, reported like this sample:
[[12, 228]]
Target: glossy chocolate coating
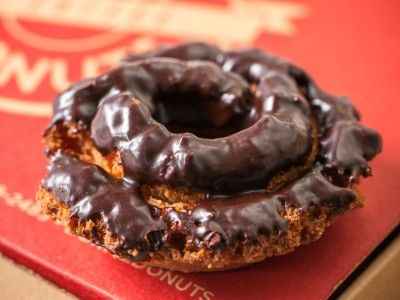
[[270, 103], [216, 222], [279, 136], [91, 194]]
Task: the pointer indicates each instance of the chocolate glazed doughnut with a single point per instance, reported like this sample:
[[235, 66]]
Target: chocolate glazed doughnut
[[195, 159]]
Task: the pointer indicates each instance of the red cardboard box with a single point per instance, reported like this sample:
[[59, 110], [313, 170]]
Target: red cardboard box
[[350, 47]]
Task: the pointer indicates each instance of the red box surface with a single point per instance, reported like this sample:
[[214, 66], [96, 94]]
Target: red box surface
[[350, 47]]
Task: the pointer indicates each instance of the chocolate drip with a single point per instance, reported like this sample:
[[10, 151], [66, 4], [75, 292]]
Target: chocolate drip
[[268, 100], [244, 217], [346, 145], [92, 194], [216, 222]]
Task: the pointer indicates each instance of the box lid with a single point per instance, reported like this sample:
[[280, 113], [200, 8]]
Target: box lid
[[44, 45]]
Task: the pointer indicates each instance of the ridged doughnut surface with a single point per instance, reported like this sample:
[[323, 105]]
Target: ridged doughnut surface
[[196, 159]]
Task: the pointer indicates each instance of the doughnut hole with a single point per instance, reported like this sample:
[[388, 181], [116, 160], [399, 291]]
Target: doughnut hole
[[203, 116]]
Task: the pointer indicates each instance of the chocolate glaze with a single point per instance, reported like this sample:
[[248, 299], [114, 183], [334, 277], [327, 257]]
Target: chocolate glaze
[[244, 217], [216, 222], [270, 103], [91, 194], [279, 137], [345, 144]]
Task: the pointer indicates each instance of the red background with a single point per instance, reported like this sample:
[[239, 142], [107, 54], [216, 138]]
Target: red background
[[350, 47]]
